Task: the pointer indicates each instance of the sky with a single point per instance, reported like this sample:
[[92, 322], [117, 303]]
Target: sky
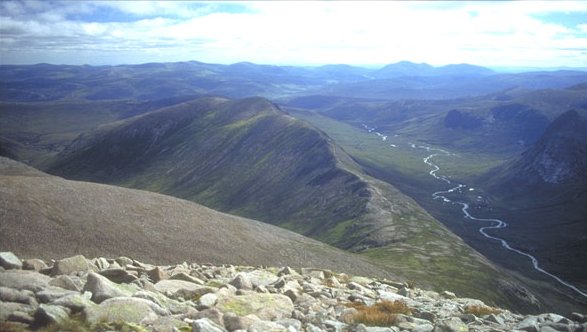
[[493, 34]]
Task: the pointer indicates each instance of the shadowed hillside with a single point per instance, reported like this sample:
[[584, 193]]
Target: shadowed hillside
[[245, 157], [544, 192], [57, 217]]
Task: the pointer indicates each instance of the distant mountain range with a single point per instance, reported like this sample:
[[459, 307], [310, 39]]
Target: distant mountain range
[[152, 81], [406, 68]]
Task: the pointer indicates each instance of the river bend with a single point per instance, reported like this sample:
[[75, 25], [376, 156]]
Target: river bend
[[489, 223]]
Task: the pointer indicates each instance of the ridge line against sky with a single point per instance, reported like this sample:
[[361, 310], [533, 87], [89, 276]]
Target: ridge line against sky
[[493, 34]]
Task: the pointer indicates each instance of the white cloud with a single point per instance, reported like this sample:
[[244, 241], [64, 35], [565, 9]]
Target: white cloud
[[308, 32]]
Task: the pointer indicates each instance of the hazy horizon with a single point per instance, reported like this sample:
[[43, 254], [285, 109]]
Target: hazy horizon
[[503, 34], [496, 69]]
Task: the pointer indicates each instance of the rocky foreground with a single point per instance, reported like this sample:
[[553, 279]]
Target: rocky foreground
[[122, 294]]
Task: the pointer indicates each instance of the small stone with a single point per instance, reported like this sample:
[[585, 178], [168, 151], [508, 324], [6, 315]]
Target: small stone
[[296, 314], [554, 318], [287, 271], [348, 315], [9, 261], [318, 274], [186, 277], [312, 328], [548, 328], [21, 317], [392, 297], [560, 326], [580, 318], [76, 302], [292, 294], [124, 261], [207, 301], [173, 286], [34, 264], [6, 308], [67, 282], [423, 328], [265, 326], [290, 324], [47, 313], [233, 322], [469, 318], [15, 295], [206, 325], [393, 284], [157, 274], [404, 291], [363, 328], [332, 282], [22, 279], [264, 306], [448, 295], [429, 316], [212, 314], [261, 278], [529, 324], [118, 276], [493, 318], [70, 265], [226, 290], [355, 286], [101, 263], [334, 325], [453, 324], [52, 293], [361, 280], [167, 324], [102, 288], [279, 283], [114, 265], [241, 282], [126, 309]]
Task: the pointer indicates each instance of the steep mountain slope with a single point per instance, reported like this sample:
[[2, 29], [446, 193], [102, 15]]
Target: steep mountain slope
[[250, 158], [46, 216], [245, 157], [558, 157], [544, 193]]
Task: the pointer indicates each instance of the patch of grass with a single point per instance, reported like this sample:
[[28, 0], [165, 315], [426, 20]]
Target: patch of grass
[[380, 314], [119, 326], [411, 284], [74, 324], [214, 283], [336, 233], [481, 310]]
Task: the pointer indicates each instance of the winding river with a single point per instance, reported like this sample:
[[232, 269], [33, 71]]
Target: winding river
[[490, 223]]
